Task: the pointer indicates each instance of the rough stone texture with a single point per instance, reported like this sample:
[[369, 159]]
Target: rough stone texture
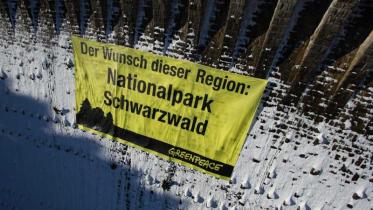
[[310, 147]]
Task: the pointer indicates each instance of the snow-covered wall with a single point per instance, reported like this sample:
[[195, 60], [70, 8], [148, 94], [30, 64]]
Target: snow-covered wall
[[311, 144]]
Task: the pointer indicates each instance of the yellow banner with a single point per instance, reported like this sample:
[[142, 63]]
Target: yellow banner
[[182, 111]]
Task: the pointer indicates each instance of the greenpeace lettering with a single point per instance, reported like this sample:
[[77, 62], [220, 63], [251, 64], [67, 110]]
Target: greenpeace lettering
[[204, 163], [185, 112]]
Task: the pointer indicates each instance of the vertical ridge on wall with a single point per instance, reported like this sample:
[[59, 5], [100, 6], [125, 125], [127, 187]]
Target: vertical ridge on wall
[[142, 27], [124, 31], [11, 8], [23, 17], [285, 11], [350, 82], [211, 40], [340, 56], [71, 22], [110, 13], [224, 30], [33, 11], [176, 19], [299, 37], [236, 18], [320, 43], [45, 34], [58, 10], [5, 21], [190, 32], [254, 33], [160, 16]]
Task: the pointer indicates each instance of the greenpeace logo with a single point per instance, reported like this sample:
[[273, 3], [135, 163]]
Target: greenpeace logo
[[194, 159]]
